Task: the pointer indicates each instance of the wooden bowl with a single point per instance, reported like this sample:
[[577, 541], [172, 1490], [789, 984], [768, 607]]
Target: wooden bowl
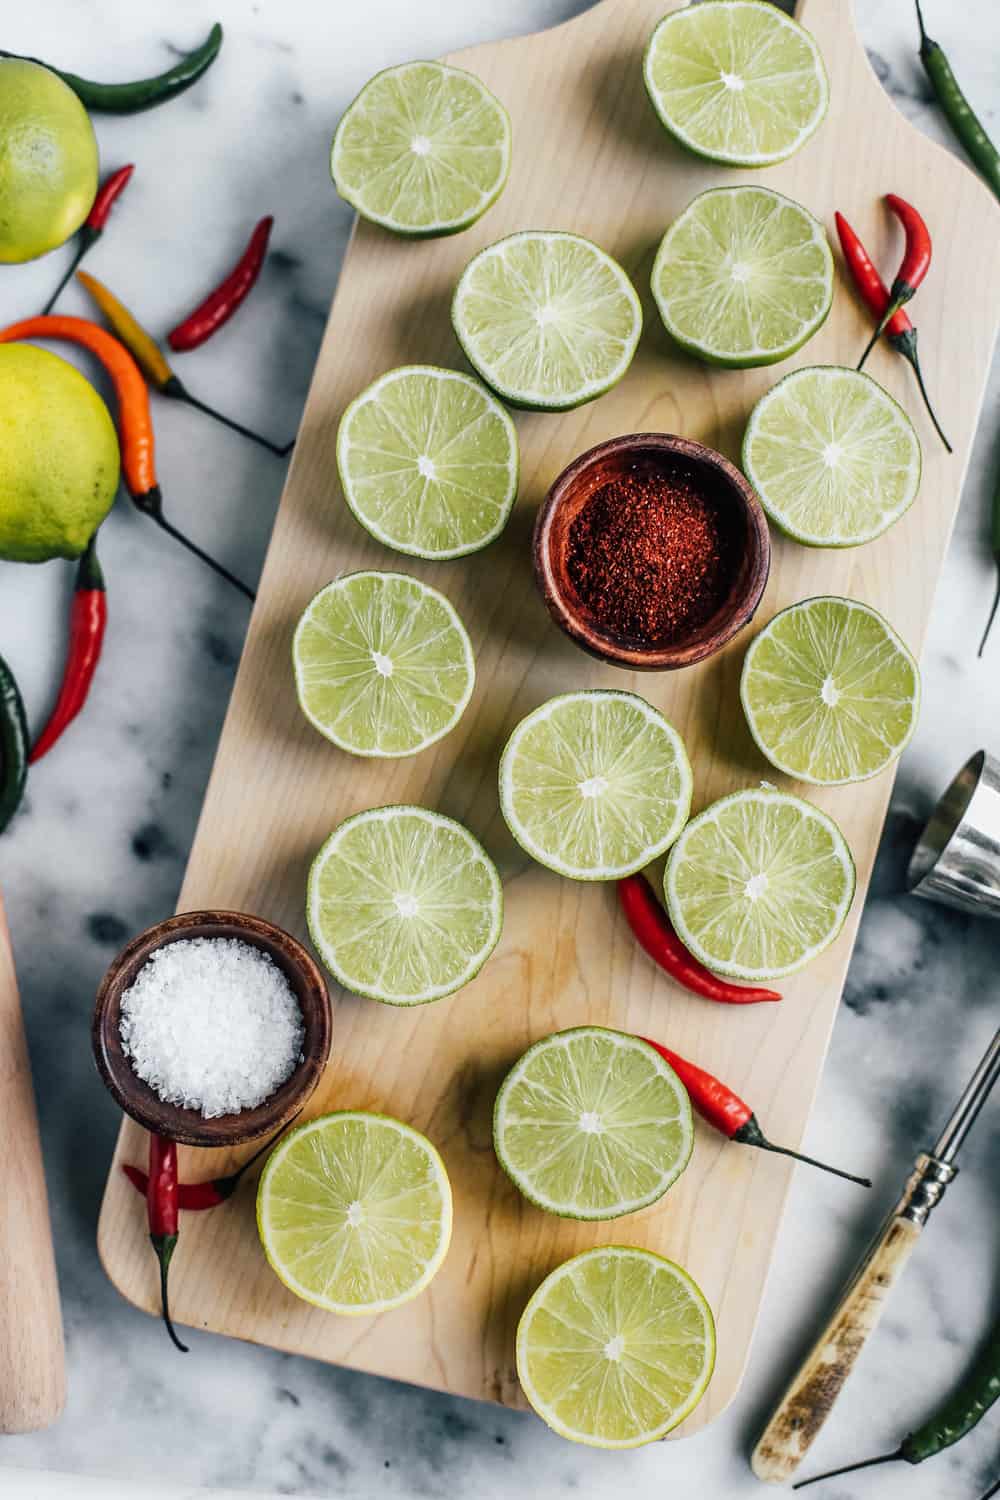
[[188, 1126], [720, 481]]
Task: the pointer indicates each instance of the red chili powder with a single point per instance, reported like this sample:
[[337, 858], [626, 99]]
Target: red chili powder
[[652, 555]]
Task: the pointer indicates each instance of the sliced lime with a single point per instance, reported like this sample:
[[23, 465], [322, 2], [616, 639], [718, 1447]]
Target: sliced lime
[[354, 1212], [830, 692], [833, 457], [424, 149], [595, 784], [744, 277], [548, 320], [759, 883], [404, 905], [736, 81], [383, 664], [428, 461], [616, 1347], [592, 1124]]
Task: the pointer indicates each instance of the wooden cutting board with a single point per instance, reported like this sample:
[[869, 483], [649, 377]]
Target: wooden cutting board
[[589, 156]]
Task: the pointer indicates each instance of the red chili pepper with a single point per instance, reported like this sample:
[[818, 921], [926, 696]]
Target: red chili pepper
[[728, 1113], [162, 1212], [219, 306], [651, 925], [88, 619], [94, 224], [912, 268], [899, 330], [197, 1196]]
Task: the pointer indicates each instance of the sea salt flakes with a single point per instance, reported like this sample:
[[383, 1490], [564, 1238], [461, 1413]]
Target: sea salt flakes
[[211, 1024]]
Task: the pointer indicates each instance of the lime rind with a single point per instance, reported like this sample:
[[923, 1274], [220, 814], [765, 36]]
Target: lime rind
[[803, 671], [437, 1178], [714, 98], [585, 1352], [551, 303], [570, 766], [642, 1110], [698, 292], [476, 429], [794, 459], [370, 910], [822, 915], [383, 126]]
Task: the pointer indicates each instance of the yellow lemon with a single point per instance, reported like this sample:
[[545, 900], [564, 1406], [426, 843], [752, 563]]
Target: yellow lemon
[[48, 161]]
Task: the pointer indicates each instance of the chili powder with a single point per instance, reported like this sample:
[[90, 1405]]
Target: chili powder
[[652, 554]]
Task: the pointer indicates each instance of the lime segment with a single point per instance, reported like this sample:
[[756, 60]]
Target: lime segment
[[595, 784], [592, 1124], [383, 664], [548, 320], [423, 150], [744, 277], [759, 883], [830, 692], [428, 461], [616, 1347], [404, 905], [354, 1212], [833, 457]]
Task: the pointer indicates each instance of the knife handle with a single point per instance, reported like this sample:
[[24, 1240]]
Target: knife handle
[[32, 1360]]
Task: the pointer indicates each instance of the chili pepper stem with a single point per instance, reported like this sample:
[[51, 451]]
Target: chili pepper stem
[[86, 241], [866, 1463], [909, 351], [164, 1245], [992, 616], [750, 1134], [993, 1490], [151, 505], [180, 392], [886, 318]]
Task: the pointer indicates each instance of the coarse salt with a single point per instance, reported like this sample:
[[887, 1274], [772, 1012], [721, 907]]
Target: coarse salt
[[211, 1024]]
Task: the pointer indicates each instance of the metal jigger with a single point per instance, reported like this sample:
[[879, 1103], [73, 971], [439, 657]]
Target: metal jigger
[[957, 860]]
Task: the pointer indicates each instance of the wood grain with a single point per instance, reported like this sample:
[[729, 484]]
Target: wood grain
[[589, 156], [32, 1364]]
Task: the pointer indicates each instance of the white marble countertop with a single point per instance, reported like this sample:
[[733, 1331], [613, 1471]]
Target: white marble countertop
[[99, 850]]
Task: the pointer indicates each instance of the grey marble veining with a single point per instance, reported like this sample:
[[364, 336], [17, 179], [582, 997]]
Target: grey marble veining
[[99, 851]]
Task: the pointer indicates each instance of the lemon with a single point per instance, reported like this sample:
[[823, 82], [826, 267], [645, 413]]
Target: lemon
[[58, 456], [48, 161]]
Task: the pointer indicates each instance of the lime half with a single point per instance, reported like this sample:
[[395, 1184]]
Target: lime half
[[616, 1347], [404, 905], [548, 320], [383, 664], [354, 1212], [595, 784], [736, 81], [424, 149], [830, 692], [759, 883], [428, 461], [833, 457], [744, 277], [592, 1124]]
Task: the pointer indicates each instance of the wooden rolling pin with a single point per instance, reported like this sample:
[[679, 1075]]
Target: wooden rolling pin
[[32, 1360]]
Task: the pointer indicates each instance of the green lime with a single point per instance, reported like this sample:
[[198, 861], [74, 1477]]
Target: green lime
[[759, 883], [354, 1212], [616, 1347], [48, 161], [547, 319], [744, 277], [830, 692], [428, 461], [736, 81], [58, 456], [595, 784], [404, 905], [383, 664], [423, 150], [833, 457], [592, 1124]]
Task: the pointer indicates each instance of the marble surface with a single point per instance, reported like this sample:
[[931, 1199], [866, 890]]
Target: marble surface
[[99, 850]]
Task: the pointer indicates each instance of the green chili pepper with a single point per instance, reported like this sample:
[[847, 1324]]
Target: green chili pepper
[[995, 548], [13, 745], [143, 93], [957, 110]]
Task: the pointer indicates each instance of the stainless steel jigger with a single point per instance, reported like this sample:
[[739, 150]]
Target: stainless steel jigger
[[957, 860]]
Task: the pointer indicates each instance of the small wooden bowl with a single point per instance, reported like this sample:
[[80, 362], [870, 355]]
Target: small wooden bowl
[[188, 1126], [649, 451]]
